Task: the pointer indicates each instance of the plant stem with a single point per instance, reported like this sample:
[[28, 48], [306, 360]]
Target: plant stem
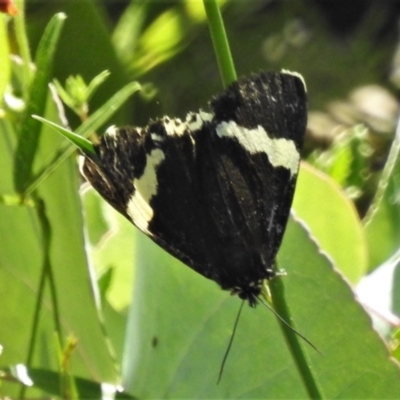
[[48, 268], [220, 42], [47, 274], [35, 326], [292, 339]]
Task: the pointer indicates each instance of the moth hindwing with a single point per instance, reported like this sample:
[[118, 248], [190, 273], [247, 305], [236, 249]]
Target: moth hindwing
[[214, 190]]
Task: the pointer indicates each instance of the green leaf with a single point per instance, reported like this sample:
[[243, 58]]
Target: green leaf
[[80, 142], [180, 324], [107, 110], [5, 70], [77, 93], [96, 222], [396, 344], [382, 223], [332, 220], [95, 83], [97, 119], [30, 129], [127, 31], [395, 292], [115, 232], [347, 159], [160, 41]]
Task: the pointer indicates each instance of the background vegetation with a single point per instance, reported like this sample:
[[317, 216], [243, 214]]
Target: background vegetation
[[87, 300]]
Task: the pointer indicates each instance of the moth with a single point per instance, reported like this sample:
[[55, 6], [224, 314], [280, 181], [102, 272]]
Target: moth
[[215, 189]]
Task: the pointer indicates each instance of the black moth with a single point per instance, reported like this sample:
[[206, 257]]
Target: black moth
[[215, 190]]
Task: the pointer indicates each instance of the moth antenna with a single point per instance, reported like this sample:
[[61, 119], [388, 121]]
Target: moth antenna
[[288, 325], [221, 370]]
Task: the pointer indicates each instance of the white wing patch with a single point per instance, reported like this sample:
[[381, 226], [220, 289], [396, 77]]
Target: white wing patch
[[280, 152], [195, 121], [287, 72], [112, 131], [174, 127], [145, 188]]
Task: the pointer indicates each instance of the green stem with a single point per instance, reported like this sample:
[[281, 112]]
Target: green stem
[[46, 232], [280, 305], [47, 274], [220, 42], [35, 326]]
